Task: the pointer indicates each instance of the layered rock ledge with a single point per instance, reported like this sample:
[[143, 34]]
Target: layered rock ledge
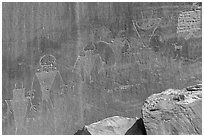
[[174, 112]]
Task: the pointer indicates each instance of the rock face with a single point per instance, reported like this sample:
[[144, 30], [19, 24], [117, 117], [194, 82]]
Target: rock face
[[174, 112]]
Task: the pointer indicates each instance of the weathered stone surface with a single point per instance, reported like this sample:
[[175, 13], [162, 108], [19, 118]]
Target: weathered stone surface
[[174, 111], [115, 125]]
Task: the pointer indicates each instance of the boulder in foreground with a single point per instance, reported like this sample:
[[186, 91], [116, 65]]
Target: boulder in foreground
[[115, 125], [174, 112]]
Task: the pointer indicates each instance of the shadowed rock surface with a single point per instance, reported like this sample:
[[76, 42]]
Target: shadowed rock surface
[[84, 131], [137, 129], [174, 112]]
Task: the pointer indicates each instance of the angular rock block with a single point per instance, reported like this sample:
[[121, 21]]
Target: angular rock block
[[115, 125]]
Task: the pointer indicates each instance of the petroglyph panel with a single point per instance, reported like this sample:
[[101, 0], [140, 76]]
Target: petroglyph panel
[[78, 63]]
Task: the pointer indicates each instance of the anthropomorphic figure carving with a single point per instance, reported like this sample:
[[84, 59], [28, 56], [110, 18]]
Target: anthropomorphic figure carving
[[47, 83], [19, 106], [177, 50]]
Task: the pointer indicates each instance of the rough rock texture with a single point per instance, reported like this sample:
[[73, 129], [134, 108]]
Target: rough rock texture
[[115, 125], [174, 112]]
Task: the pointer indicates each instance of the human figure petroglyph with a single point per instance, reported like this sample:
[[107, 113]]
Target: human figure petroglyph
[[30, 96], [19, 106], [50, 87], [47, 75], [106, 52], [78, 65], [177, 50], [110, 52]]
